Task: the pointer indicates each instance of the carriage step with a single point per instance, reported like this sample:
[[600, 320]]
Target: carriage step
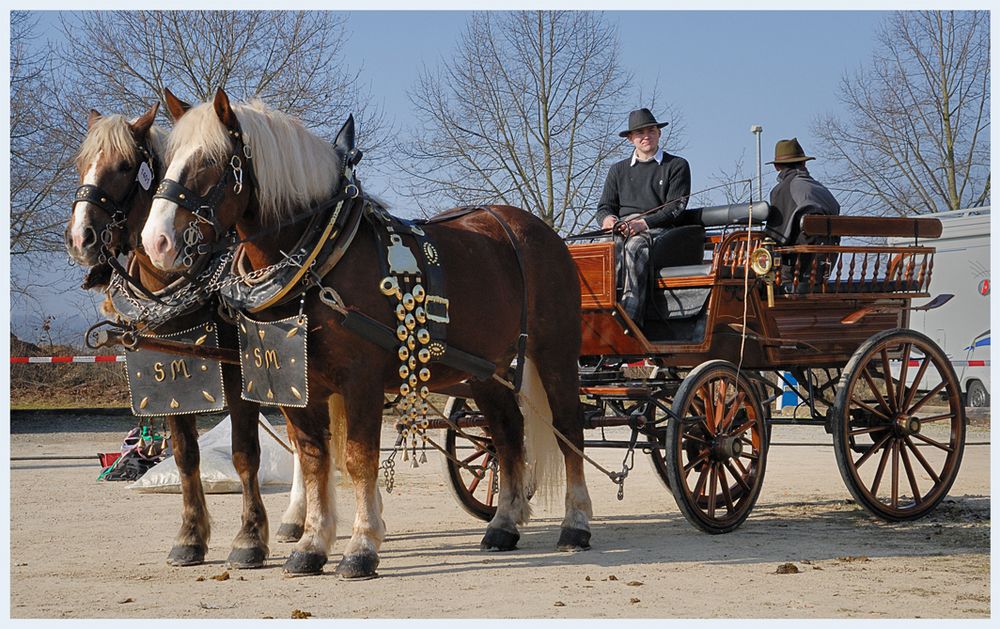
[[616, 392]]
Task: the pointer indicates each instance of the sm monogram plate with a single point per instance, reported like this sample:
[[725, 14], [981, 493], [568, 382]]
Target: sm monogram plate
[[273, 361], [170, 384]]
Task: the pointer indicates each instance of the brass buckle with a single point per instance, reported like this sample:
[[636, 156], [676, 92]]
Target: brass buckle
[[436, 317]]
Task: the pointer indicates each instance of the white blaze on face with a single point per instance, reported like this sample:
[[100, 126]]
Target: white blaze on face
[[160, 223], [81, 211]]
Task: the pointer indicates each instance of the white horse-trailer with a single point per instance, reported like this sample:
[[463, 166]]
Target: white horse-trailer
[[962, 326]]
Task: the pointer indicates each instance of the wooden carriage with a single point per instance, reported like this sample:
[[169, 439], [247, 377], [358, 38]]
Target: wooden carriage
[[725, 336]]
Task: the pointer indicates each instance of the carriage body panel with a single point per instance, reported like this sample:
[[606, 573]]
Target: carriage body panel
[[803, 328]]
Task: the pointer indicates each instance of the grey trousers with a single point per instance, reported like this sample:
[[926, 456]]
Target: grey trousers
[[632, 271]]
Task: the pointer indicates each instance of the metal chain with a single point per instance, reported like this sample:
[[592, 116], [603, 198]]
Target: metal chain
[[389, 470]]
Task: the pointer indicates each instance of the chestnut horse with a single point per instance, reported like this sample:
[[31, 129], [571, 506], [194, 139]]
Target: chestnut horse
[[292, 170], [111, 208]]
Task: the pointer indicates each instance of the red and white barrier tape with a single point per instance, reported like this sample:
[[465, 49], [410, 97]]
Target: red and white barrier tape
[[68, 359]]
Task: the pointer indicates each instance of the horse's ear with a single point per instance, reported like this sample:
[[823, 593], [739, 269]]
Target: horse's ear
[[92, 118], [175, 106], [345, 137], [142, 124], [223, 110]]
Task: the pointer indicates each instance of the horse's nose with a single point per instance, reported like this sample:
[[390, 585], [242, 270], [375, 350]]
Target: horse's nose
[[161, 246], [89, 237]]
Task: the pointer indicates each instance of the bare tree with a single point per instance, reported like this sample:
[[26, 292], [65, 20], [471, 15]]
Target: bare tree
[[294, 61], [40, 179], [524, 113], [917, 140]]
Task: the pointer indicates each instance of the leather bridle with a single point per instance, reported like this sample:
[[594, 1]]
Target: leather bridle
[[117, 210], [205, 207]]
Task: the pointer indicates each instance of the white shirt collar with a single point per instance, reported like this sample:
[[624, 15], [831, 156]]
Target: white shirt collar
[[658, 157]]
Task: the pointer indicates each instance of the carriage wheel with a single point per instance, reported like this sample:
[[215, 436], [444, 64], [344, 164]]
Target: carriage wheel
[[899, 425], [658, 443], [476, 489], [717, 449]]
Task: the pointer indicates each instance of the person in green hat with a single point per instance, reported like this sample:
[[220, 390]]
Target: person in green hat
[[796, 195], [651, 179]]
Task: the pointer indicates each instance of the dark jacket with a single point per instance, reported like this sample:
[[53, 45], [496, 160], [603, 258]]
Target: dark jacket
[[634, 189], [797, 194]]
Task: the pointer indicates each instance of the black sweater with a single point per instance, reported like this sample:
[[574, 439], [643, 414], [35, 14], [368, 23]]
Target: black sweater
[[633, 189]]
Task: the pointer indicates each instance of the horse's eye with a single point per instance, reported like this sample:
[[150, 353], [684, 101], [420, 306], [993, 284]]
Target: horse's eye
[[211, 163], [124, 166]]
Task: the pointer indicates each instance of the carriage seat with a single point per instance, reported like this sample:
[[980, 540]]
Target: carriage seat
[[688, 270], [721, 215], [682, 256]]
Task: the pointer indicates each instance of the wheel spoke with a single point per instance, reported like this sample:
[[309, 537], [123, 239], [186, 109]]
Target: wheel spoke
[[699, 486], [864, 431], [890, 393], [904, 366], [720, 403], [705, 393], [869, 408], [737, 404], [910, 476], [730, 507], [878, 473], [491, 481], [693, 437], [870, 451], [743, 470], [935, 418], [745, 427], [475, 482], [875, 391], [930, 394], [701, 457], [934, 443], [738, 476], [712, 484], [895, 475], [927, 466], [475, 455], [916, 381]]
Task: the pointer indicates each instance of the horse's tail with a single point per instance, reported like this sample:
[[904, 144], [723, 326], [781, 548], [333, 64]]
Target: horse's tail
[[338, 432], [542, 454]]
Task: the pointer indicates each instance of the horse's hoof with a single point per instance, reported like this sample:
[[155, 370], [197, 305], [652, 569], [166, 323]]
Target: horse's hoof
[[499, 540], [358, 567], [572, 540], [301, 564], [186, 556], [247, 558], [289, 532]]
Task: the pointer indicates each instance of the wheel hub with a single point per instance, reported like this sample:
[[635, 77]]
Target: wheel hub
[[906, 425], [726, 447]]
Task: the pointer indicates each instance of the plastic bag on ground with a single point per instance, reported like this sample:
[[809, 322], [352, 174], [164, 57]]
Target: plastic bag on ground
[[218, 476]]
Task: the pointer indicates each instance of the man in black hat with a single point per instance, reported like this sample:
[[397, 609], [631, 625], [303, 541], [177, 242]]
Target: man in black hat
[[796, 195], [650, 179]]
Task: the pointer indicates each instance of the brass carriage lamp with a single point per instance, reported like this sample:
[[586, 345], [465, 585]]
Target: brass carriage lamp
[[763, 264]]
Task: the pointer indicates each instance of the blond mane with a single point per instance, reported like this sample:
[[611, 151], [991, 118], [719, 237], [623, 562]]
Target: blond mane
[[111, 134], [293, 167]]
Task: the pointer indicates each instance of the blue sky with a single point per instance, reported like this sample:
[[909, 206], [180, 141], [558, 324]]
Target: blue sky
[[722, 70]]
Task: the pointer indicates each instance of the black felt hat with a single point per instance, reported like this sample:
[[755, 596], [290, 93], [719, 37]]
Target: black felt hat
[[640, 119]]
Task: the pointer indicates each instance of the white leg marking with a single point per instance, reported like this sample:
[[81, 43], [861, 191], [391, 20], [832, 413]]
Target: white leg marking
[[296, 511]]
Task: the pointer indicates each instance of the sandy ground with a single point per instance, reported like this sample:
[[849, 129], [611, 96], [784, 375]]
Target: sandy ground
[[86, 549]]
